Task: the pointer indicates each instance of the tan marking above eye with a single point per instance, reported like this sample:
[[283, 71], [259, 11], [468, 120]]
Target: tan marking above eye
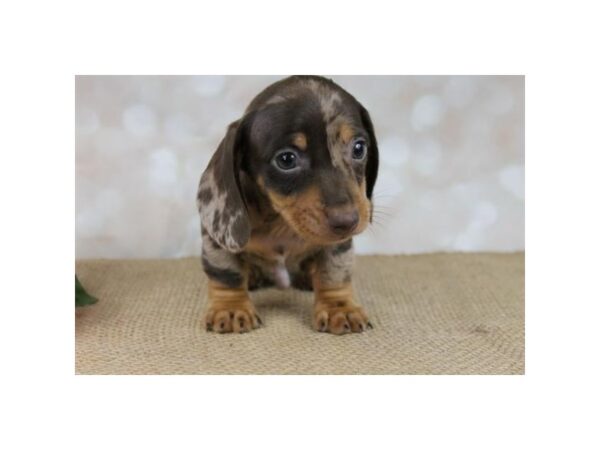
[[300, 141], [346, 132]]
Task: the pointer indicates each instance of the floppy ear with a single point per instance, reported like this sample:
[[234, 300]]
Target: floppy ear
[[223, 211], [372, 153]]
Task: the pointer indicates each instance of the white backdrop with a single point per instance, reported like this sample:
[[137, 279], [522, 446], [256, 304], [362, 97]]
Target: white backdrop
[[451, 149]]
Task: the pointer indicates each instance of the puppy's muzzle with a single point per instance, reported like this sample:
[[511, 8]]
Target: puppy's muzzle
[[342, 221]]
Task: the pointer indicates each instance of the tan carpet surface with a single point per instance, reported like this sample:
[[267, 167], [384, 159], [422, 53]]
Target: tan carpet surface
[[433, 314]]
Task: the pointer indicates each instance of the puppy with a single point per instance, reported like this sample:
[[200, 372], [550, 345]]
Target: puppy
[[289, 185]]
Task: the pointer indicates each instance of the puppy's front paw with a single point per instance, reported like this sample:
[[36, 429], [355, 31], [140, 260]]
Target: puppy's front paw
[[340, 318], [236, 317]]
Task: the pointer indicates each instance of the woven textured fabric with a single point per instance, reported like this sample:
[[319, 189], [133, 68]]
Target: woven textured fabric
[[433, 314]]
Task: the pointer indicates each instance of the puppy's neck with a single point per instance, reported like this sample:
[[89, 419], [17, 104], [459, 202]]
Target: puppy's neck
[[276, 245], [272, 238]]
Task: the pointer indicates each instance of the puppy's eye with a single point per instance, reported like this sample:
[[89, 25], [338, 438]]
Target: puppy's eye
[[359, 150], [286, 160]]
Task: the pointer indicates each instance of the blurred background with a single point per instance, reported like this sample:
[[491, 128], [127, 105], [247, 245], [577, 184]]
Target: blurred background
[[451, 174]]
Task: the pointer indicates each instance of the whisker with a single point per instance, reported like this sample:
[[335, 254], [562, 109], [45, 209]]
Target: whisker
[[383, 205], [384, 190], [379, 223], [377, 227], [390, 211], [385, 213], [385, 196], [380, 206]]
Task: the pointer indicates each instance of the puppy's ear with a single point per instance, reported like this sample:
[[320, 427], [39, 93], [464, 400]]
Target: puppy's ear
[[220, 200], [372, 153]]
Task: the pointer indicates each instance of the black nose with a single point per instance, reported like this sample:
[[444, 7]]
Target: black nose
[[342, 222]]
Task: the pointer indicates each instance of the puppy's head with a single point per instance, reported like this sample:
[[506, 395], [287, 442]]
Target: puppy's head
[[310, 149]]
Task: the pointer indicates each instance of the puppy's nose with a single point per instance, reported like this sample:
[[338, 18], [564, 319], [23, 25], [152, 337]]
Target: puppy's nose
[[342, 222]]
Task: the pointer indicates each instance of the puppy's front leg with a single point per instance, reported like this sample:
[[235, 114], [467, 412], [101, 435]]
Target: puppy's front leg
[[230, 309], [229, 305], [334, 309]]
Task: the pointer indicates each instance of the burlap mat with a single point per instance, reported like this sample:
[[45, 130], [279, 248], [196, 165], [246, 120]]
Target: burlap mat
[[433, 314]]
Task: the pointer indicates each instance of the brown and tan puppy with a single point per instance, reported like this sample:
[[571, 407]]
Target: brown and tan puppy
[[280, 200]]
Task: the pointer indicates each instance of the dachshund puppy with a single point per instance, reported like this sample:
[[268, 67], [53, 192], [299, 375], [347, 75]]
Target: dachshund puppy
[[280, 200]]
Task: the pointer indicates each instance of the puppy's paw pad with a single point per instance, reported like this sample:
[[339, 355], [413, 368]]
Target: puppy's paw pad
[[340, 319], [232, 318]]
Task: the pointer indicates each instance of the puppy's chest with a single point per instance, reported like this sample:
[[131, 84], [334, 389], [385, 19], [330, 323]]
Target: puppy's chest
[[277, 251]]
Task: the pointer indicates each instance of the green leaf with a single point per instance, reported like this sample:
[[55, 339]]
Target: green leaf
[[82, 298]]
